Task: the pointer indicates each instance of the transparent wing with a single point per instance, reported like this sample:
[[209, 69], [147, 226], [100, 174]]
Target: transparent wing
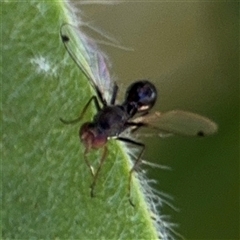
[[179, 122], [89, 59]]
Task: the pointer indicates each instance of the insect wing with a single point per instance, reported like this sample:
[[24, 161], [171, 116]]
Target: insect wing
[[89, 59], [180, 123]]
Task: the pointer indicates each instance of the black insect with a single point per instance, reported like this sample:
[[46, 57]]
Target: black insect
[[113, 119]]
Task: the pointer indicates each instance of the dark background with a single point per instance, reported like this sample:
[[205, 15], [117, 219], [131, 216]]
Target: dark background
[[190, 51]]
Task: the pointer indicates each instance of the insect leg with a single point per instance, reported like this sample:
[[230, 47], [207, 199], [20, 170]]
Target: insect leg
[[93, 98], [135, 125], [87, 162], [103, 158], [137, 162], [114, 94]]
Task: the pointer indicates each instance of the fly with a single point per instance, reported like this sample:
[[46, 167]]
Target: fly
[[111, 119]]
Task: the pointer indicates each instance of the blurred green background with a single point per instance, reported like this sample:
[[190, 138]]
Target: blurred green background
[[190, 51]]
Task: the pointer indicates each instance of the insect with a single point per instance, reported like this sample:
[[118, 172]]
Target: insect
[[112, 120]]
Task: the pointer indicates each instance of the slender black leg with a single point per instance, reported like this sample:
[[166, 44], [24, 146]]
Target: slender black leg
[[95, 177], [114, 94], [135, 125], [137, 162], [94, 99]]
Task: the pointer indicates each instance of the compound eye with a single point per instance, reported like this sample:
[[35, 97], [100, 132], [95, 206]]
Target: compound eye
[[143, 94]]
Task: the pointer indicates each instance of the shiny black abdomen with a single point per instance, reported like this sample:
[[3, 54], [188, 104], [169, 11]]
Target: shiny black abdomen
[[140, 97]]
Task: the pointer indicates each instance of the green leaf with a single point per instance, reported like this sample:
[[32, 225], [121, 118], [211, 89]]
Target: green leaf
[[45, 179]]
